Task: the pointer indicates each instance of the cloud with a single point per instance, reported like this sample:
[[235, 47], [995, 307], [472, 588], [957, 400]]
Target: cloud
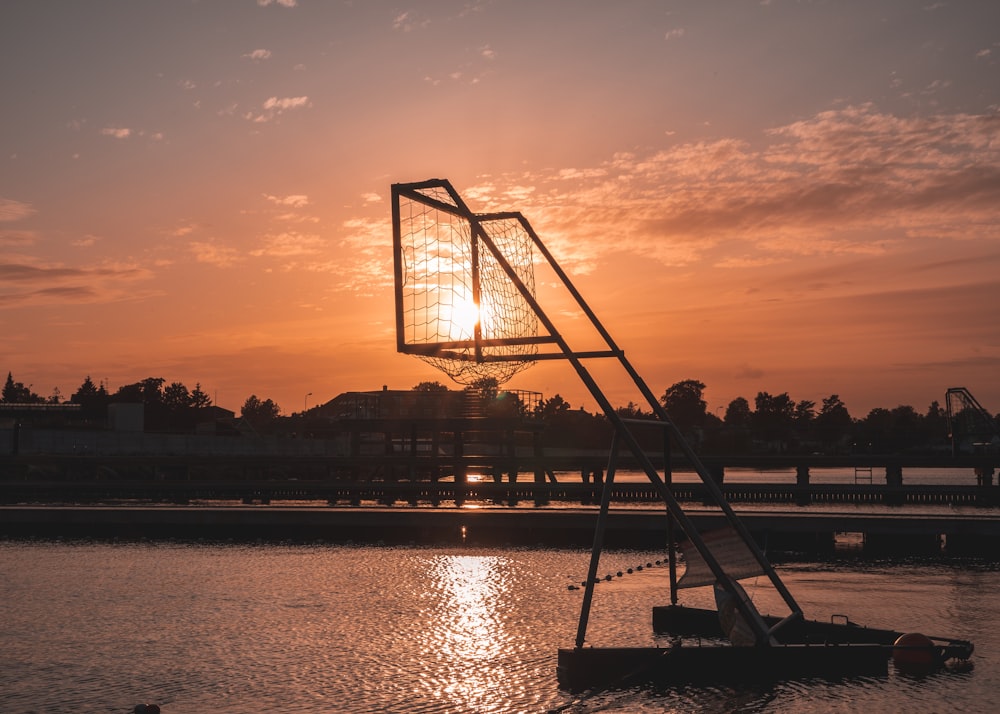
[[24, 283], [86, 241], [674, 34], [258, 55], [273, 106], [846, 181], [220, 256], [17, 238], [405, 22], [290, 243], [293, 201], [282, 3], [286, 103], [116, 132], [11, 210]]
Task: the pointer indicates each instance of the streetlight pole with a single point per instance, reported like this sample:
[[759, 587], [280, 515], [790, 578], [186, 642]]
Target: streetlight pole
[[305, 402]]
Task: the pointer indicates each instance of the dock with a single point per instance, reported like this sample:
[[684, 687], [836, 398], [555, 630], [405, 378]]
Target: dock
[[777, 530]]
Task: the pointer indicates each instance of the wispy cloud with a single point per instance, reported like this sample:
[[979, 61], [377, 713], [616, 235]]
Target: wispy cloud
[[213, 254], [282, 3], [25, 283], [290, 243], [406, 21], [11, 210], [258, 54], [292, 201], [846, 181], [86, 241], [118, 132], [274, 106]]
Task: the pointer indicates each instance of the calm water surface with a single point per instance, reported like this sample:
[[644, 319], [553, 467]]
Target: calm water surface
[[99, 627]]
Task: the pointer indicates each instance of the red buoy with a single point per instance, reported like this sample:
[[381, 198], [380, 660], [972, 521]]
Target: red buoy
[[913, 652]]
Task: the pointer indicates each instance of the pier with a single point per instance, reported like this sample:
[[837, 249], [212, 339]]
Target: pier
[[775, 530], [451, 493]]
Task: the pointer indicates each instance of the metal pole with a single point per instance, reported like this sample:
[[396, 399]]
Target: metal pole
[[595, 553]]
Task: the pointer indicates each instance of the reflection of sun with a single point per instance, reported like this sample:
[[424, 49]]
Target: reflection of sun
[[466, 631]]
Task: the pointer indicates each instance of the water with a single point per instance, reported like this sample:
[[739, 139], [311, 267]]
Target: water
[[99, 627], [826, 475]]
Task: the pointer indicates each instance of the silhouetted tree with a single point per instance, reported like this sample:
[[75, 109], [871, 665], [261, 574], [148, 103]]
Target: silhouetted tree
[[149, 392], [488, 387], [885, 430], [259, 413], [633, 411], [549, 408], [199, 400], [738, 413], [685, 405], [430, 387], [833, 423], [773, 418], [17, 393], [934, 427], [176, 397]]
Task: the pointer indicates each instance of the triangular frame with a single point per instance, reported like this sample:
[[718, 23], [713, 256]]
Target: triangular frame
[[623, 434]]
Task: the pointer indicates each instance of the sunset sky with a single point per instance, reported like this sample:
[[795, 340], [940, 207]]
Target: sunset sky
[[780, 195]]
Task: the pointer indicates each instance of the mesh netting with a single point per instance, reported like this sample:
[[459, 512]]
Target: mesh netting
[[438, 253]]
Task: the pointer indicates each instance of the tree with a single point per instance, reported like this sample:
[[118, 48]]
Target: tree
[[685, 404], [17, 393], [934, 428], [176, 397], [488, 387], [430, 387], [149, 391], [833, 423], [549, 408], [199, 400], [259, 413], [773, 417], [803, 418], [633, 411], [738, 413], [93, 400]]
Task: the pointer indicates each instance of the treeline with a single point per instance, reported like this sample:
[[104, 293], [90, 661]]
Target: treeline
[[168, 407], [771, 423]]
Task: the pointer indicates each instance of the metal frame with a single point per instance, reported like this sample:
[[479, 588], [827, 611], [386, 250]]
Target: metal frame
[[623, 435]]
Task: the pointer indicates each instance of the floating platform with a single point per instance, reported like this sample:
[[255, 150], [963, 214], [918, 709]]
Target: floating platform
[[809, 648], [702, 622]]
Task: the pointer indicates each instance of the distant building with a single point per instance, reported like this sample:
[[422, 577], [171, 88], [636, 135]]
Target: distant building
[[12, 413], [126, 417], [419, 405]]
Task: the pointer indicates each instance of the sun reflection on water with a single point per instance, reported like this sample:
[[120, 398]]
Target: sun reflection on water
[[465, 637]]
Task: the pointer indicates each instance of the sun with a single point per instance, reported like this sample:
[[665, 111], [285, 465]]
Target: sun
[[464, 318]]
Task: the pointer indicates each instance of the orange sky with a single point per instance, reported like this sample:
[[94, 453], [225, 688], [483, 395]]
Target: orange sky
[[778, 196]]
